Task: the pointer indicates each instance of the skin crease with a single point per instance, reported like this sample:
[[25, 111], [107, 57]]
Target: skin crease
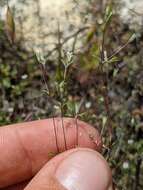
[[26, 147]]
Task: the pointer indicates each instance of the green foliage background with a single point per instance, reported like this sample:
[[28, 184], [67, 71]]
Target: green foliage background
[[23, 97]]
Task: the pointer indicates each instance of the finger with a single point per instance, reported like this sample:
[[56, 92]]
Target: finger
[[81, 169], [26, 147]]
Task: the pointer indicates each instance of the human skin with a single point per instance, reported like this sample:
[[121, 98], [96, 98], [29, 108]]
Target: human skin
[[26, 151]]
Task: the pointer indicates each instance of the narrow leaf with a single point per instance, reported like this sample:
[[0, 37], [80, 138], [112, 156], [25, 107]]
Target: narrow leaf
[[90, 34], [108, 14], [10, 25]]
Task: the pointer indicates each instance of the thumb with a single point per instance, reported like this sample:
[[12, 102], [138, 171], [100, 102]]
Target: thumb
[[77, 169]]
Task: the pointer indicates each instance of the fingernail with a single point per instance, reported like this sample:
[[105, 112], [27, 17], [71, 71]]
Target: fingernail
[[84, 170]]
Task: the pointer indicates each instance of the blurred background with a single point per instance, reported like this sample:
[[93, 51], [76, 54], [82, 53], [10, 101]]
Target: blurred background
[[101, 41]]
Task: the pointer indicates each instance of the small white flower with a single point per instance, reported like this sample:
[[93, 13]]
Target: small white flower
[[88, 105], [10, 109], [130, 141], [126, 165], [25, 76]]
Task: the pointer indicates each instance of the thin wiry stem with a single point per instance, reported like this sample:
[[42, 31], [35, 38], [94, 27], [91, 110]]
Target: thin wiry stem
[[105, 80], [64, 133], [47, 88], [59, 65], [120, 48], [75, 114], [77, 130], [56, 136], [105, 93], [67, 39], [44, 77]]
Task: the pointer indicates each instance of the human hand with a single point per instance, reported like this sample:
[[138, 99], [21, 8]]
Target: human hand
[[26, 150]]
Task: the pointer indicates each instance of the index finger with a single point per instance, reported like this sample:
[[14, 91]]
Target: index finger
[[26, 147]]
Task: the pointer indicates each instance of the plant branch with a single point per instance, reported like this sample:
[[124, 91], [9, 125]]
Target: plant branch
[[67, 39], [105, 86]]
